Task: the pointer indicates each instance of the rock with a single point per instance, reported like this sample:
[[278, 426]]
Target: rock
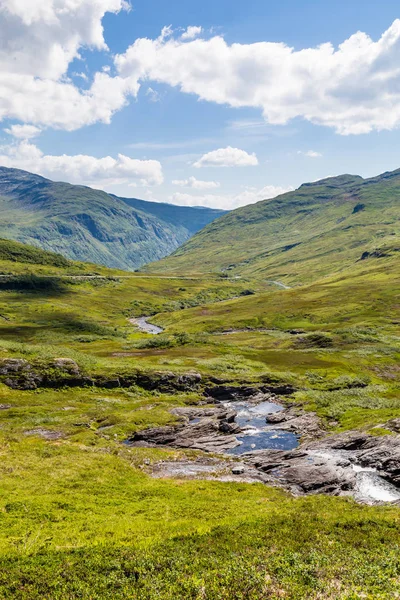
[[106, 382], [230, 393], [12, 366], [163, 381], [393, 425], [304, 472], [238, 470], [67, 365], [18, 373], [307, 424], [213, 431], [189, 413]]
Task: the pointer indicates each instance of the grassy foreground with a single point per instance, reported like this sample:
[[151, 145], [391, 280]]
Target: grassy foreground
[[81, 518]]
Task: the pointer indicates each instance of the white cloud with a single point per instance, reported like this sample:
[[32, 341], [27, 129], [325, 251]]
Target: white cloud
[[191, 32], [354, 88], [39, 39], [196, 184], [82, 169], [153, 95], [25, 132], [227, 202], [227, 157], [310, 154]]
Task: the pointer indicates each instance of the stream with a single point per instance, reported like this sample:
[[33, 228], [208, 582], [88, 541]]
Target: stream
[[143, 325], [256, 434], [370, 487]]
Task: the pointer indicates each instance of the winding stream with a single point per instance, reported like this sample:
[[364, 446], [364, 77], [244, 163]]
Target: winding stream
[[143, 325]]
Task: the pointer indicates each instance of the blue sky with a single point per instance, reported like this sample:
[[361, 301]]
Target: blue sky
[[225, 108]]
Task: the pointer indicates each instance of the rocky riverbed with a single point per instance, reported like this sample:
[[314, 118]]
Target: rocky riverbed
[[258, 440]]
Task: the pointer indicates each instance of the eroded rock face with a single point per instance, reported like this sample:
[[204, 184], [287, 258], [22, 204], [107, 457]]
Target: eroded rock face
[[19, 374], [232, 393]]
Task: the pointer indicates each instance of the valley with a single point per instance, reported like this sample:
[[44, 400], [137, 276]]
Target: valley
[[174, 413]]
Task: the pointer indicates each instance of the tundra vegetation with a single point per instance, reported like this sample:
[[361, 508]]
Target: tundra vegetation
[[80, 515]]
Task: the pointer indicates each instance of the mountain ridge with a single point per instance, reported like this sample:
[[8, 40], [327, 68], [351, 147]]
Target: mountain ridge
[[299, 236], [90, 225]]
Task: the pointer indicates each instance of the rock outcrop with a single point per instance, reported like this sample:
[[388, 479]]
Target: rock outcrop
[[18, 373], [209, 429], [306, 424]]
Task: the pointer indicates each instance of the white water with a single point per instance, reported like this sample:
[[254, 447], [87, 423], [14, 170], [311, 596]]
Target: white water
[[370, 487]]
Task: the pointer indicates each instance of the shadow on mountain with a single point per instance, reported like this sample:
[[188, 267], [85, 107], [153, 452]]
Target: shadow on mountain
[[34, 284]]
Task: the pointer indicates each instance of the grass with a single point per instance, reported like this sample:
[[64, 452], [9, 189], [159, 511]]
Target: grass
[[301, 236], [81, 518]]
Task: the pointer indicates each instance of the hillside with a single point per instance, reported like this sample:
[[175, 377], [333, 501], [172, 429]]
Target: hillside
[[87, 514], [90, 225], [318, 229]]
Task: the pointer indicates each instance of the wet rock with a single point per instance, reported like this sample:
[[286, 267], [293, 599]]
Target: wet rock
[[206, 467], [306, 424], [189, 413]]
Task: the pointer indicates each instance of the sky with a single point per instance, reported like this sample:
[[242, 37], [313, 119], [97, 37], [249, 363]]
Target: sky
[[217, 103]]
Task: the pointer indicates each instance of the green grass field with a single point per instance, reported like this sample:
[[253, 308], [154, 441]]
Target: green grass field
[[80, 516]]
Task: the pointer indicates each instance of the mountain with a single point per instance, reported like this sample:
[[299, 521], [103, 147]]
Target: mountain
[[90, 225], [318, 229]]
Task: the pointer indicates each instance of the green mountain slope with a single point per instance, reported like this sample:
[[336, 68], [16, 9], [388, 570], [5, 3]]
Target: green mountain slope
[[318, 229], [86, 224]]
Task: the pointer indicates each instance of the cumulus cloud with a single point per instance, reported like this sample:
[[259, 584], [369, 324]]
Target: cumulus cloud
[[196, 184], [229, 202], [81, 168], [191, 32], [354, 88], [38, 41], [25, 132], [227, 157]]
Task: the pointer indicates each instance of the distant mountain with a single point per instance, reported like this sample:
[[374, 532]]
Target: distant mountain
[[316, 230], [90, 225]]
